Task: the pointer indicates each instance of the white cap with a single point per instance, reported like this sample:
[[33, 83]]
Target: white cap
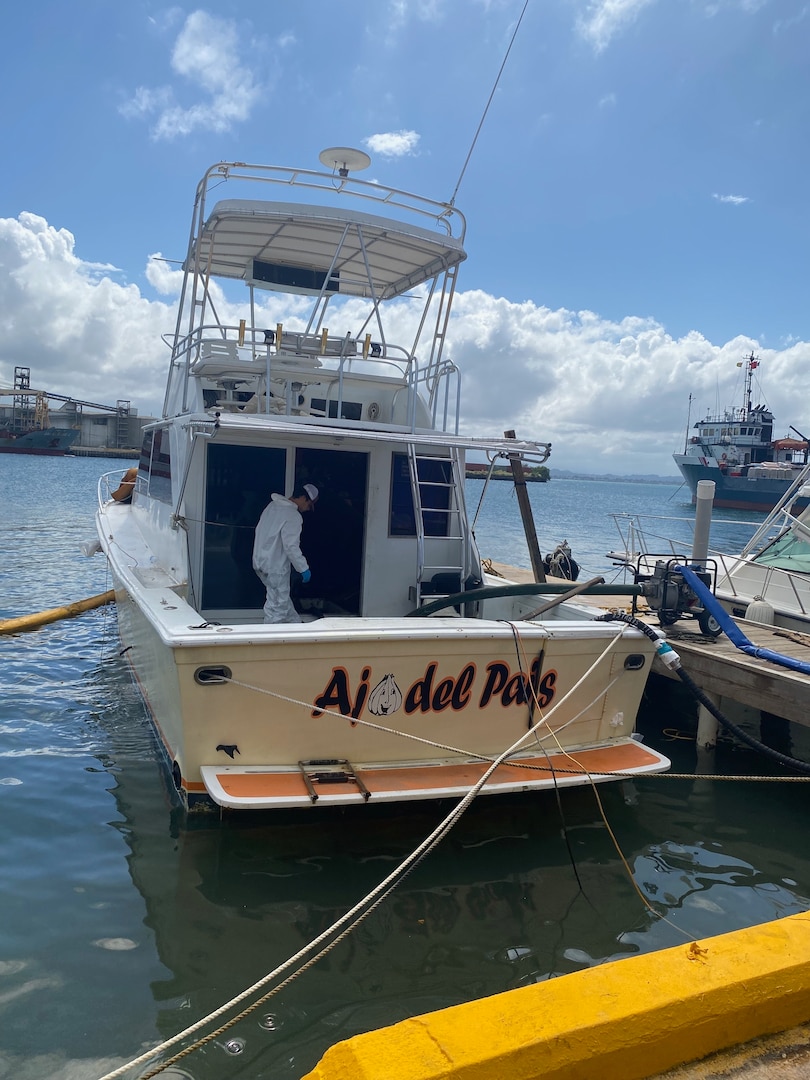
[[312, 492]]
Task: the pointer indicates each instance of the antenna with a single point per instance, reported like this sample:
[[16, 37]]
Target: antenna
[[688, 422], [751, 364], [341, 159], [489, 102]]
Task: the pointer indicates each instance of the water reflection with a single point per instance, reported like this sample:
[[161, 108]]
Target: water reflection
[[498, 905], [163, 919], [122, 924]]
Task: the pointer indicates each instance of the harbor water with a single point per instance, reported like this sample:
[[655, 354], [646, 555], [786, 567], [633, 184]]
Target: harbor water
[[123, 922]]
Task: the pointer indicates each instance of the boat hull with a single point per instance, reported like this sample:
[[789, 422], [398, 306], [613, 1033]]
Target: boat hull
[[758, 495], [48, 442], [413, 694], [398, 675], [741, 581]]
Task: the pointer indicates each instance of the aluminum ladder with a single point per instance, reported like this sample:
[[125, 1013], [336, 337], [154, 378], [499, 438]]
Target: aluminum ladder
[[442, 535]]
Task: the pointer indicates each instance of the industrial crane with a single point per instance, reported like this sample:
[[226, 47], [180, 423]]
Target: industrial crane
[[23, 392], [28, 401]]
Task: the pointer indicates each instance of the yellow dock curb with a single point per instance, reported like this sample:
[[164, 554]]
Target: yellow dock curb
[[625, 1020]]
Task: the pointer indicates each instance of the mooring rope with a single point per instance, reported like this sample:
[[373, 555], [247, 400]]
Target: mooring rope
[[320, 946], [346, 923]]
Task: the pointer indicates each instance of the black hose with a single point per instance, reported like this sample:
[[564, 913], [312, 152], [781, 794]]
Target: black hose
[[631, 620], [743, 736], [533, 588], [705, 700]]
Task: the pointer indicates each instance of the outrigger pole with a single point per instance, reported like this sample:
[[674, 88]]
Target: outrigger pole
[[526, 512]]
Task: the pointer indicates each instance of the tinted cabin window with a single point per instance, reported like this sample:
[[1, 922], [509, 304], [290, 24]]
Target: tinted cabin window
[[160, 480], [145, 458], [349, 410], [154, 470], [434, 494]]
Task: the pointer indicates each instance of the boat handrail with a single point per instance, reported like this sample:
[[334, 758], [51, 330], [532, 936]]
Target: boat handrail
[[226, 344], [222, 352], [110, 482], [444, 215], [443, 376], [104, 489], [772, 583], [648, 534], [769, 587]]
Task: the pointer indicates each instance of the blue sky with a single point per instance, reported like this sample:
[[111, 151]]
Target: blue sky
[[636, 200]]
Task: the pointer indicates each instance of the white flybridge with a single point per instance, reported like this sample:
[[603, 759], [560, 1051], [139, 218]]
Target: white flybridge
[[410, 671]]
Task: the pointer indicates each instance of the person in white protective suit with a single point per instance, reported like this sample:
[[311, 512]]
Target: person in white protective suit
[[277, 546]]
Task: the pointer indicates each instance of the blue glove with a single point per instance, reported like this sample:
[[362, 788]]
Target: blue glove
[[305, 577]]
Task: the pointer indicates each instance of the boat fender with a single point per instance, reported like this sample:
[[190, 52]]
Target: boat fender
[[760, 611]]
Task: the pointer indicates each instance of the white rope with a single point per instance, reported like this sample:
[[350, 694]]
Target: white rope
[[371, 899]]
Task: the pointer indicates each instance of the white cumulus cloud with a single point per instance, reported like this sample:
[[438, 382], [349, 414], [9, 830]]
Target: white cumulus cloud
[[603, 19], [393, 144], [81, 333], [208, 55], [611, 395]]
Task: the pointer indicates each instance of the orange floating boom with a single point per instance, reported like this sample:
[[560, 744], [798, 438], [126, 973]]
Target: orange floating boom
[[42, 618]]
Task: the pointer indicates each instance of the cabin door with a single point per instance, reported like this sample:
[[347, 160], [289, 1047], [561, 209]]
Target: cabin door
[[239, 482], [333, 535]]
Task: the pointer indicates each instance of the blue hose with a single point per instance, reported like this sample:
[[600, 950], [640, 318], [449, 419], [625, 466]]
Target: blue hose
[[732, 631]]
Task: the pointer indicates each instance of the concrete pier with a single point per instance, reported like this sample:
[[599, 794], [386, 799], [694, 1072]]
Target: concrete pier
[[627, 1020]]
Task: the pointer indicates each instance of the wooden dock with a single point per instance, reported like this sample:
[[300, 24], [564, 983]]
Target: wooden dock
[[718, 667]]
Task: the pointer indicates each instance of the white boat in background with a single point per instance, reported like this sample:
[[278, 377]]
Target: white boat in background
[[760, 570], [376, 695], [769, 581]]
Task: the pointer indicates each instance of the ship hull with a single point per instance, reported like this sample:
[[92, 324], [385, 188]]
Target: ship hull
[[49, 442], [758, 495]]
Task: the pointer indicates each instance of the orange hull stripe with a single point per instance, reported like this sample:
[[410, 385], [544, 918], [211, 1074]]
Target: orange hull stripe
[[620, 758]]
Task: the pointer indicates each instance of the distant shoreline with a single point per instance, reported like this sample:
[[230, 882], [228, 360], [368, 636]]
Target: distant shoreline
[[632, 478], [564, 474], [505, 474]]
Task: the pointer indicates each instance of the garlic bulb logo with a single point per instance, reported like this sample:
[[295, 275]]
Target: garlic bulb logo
[[385, 698]]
